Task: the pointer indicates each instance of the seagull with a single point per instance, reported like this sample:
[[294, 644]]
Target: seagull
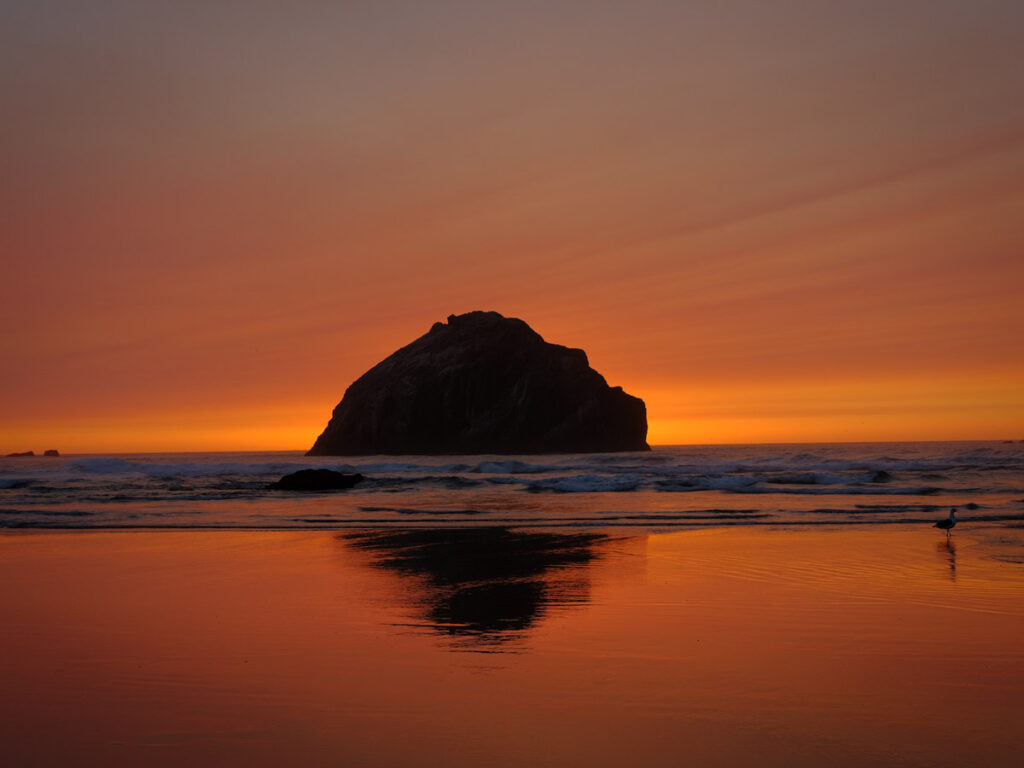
[[947, 525]]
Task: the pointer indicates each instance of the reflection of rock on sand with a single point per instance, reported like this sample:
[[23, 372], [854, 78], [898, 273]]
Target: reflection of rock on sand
[[487, 585]]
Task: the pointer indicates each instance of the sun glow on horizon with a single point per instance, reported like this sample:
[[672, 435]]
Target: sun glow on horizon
[[968, 408]]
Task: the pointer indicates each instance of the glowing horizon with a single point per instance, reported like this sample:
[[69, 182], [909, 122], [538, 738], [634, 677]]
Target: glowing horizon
[[833, 413]]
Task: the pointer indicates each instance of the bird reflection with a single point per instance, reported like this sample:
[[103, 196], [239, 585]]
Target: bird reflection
[[484, 586], [947, 553]]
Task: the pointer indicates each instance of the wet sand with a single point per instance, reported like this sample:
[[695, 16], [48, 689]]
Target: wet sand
[[724, 647]]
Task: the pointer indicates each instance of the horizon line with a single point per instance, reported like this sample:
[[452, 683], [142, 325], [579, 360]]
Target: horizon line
[[653, 446]]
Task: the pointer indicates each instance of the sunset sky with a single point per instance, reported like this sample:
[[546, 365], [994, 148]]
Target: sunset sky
[[773, 221]]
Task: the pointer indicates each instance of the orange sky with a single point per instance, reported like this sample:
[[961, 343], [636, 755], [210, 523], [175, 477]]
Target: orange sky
[[772, 221]]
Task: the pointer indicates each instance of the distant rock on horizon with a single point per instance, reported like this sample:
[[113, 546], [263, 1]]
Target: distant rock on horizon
[[483, 383]]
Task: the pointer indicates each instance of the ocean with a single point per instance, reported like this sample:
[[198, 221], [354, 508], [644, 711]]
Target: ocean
[[670, 487]]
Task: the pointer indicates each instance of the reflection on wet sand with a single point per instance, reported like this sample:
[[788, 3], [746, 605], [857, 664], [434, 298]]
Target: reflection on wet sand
[[947, 554], [722, 647], [485, 586]]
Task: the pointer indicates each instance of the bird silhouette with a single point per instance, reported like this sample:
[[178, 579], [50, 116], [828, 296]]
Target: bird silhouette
[[947, 524]]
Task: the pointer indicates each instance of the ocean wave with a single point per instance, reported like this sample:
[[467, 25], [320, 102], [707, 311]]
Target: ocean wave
[[115, 466], [410, 511], [394, 468], [810, 487], [589, 483], [514, 467], [804, 478], [735, 483], [21, 515], [451, 482]]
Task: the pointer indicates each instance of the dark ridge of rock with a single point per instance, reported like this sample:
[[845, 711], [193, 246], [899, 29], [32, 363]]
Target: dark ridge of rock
[[23, 453], [880, 476], [51, 452], [483, 383], [316, 480]]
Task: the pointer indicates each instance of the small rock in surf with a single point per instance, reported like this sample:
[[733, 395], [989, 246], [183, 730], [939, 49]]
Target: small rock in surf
[[316, 480]]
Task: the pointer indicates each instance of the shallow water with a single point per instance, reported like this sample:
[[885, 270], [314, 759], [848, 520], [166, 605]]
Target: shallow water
[[790, 646], [669, 487]]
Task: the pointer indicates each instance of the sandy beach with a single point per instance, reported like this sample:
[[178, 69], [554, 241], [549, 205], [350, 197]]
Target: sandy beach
[[865, 645]]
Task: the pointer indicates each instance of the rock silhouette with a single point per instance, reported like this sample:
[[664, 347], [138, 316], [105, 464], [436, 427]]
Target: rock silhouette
[[483, 383], [316, 480]]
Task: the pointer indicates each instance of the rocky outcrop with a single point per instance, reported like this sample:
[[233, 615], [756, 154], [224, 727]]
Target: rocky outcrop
[[316, 480], [51, 452], [483, 383], [19, 455]]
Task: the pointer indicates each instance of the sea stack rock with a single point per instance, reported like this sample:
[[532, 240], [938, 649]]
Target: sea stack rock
[[483, 383]]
